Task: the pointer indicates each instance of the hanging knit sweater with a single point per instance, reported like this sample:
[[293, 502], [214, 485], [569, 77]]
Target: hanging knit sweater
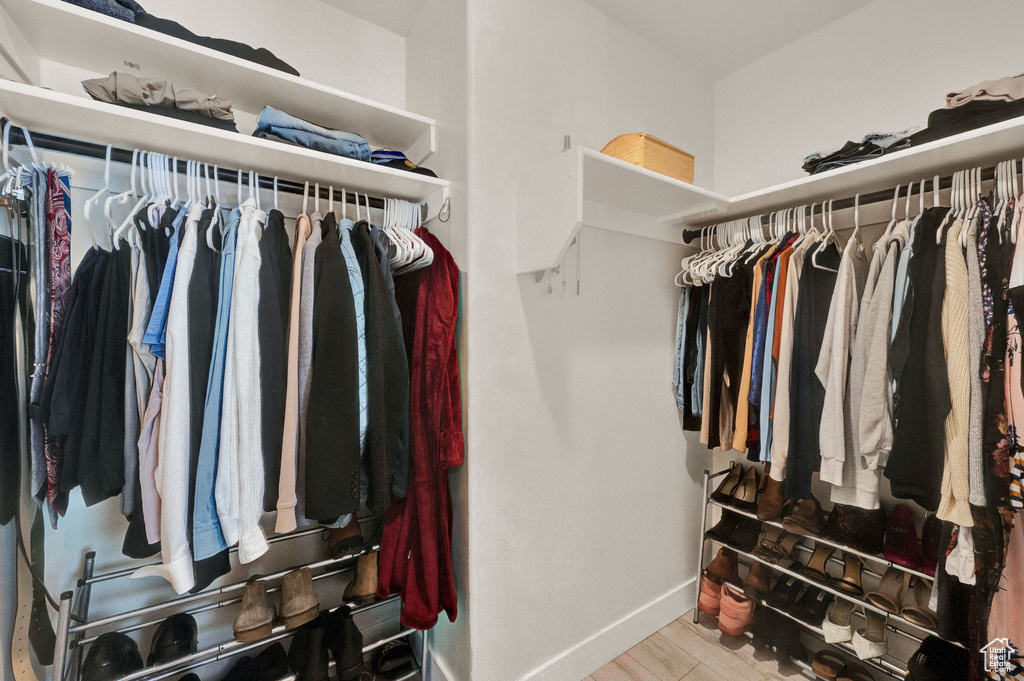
[[954, 506], [976, 329]]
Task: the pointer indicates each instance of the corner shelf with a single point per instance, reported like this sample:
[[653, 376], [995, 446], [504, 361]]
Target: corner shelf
[[99, 43], [585, 187], [79, 117], [980, 147]]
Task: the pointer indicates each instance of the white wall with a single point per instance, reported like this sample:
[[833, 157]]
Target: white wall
[[881, 68], [582, 492], [436, 78]]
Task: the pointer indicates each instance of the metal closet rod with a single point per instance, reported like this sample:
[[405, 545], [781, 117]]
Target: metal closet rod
[[842, 204], [86, 149]]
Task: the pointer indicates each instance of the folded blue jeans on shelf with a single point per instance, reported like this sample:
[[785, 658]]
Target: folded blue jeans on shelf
[[312, 136]]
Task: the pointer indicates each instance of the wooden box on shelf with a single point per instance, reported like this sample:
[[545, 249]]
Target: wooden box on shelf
[[650, 152]]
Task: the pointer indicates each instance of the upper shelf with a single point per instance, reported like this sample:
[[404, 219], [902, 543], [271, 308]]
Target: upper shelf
[[82, 118], [70, 34], [980, 147], [585, 187]]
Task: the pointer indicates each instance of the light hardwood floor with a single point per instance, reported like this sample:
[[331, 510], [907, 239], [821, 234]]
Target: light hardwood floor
[[694, 652]]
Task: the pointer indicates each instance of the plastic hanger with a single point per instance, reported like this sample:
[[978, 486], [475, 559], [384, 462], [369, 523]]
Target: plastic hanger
[[316, 198], [275, 193], [93, 200], [330, 198], [823, 243]]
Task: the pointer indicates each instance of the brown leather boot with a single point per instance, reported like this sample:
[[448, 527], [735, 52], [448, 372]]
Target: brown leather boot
[[344, 541], [256, 620], [363, 588], [724, 567], [769, 507], [758, 581], [299, 603]]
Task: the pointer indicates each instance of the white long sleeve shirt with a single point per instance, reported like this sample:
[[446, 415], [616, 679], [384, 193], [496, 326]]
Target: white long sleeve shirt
[[240, 481]]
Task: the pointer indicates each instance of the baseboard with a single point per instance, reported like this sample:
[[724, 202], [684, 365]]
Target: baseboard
[[619, 636]]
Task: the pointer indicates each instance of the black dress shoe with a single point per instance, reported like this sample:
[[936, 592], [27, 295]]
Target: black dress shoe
[[111, 656], [725, 527], [345, 642], [765, 626], [744, 536], [786, 593], [812, 606], [272, 663], [308, 653], [175, 637]]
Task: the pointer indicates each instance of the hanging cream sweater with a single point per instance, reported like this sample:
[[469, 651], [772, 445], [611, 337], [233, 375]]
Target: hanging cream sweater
[[954, 505]]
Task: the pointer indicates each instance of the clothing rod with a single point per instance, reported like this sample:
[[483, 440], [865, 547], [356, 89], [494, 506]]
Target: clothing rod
[[227, 588], [86, 149], [873, 197]]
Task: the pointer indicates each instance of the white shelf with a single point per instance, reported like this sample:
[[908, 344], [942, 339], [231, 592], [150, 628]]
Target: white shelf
[[82, 118], [585, 187], [70, 34], [980, 147]]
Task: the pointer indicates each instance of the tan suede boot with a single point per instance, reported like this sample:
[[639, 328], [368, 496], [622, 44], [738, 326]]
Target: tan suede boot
[[256, 620], [299, 603], [363, 588]]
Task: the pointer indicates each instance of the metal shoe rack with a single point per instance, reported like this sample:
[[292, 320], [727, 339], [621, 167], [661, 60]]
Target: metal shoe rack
[[887, 665], [75, 631]]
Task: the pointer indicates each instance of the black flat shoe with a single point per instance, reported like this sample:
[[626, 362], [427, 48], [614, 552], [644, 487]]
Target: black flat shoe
[[725, 527], [785, 593], [744, 537], [812, 606]]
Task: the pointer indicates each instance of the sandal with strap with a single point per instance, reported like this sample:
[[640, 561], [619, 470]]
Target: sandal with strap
[[815, 568], [915, 608], [774, 551], [890, 591], [850, 582], [828, 665]]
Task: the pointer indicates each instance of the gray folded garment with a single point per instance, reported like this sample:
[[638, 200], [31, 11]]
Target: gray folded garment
[[124, 88]]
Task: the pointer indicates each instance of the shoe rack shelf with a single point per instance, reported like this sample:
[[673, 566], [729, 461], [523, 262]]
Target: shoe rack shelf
[[73, 622], [880, 664], [821, 540]]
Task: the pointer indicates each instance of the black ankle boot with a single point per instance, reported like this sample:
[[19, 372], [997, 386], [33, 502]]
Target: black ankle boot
[[308, 653], [345, 642]]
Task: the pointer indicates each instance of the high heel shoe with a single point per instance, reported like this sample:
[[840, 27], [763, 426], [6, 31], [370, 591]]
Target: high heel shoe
[[850, 582], [815, 568], [890, 591], [744, 497], [915, 604], [776, 545], [870, 642], [836, 626], [729, 485], [901, 544]]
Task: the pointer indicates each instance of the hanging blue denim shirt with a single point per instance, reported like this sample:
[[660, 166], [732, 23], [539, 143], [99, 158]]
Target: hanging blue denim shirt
[[355, 278], [768, 377], [156, 330], [207, 537], [678, 380]]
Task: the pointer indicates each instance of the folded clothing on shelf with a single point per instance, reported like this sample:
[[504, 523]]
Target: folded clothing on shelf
[[870, 146], [118, 9], [396, 159], [975, 114], [260, 55], [1008, 89], [160, 95], [274, 124]]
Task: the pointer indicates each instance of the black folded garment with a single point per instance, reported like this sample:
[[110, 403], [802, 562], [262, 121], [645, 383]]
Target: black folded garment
[[977, 114], [118, 9], [183, 115], [241, 50]]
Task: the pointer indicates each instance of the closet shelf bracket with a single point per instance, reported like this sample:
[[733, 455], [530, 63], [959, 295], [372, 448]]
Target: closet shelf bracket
[[582, 187]]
